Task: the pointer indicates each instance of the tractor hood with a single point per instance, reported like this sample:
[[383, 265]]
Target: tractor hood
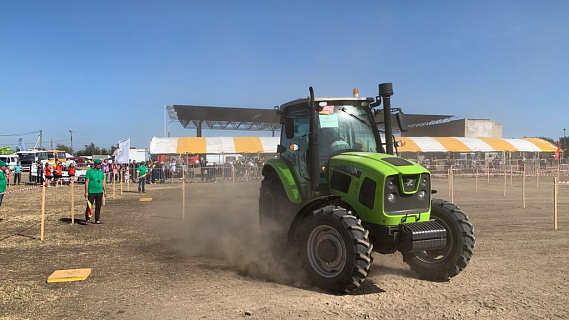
[[375, 164]]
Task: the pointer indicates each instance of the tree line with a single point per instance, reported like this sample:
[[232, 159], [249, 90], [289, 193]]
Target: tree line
[[88, 150]]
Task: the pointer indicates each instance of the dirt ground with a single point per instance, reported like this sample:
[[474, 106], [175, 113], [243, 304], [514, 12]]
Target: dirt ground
[[148, 263]]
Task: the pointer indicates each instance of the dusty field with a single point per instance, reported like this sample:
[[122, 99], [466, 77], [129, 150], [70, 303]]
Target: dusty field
[[148, 263]]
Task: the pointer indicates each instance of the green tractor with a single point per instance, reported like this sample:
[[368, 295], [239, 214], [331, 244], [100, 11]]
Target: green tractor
[[337, 192]]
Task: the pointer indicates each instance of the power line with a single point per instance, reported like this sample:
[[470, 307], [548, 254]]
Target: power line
[[19, 134]]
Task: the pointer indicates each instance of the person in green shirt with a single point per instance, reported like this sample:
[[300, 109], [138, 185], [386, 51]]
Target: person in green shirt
[[95, 189], [2, 180], [141, 173]]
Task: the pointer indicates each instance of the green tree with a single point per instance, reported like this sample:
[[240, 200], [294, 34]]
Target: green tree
[[91, 149]]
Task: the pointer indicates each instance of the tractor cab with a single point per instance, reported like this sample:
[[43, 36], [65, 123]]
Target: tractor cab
[[345, 124]]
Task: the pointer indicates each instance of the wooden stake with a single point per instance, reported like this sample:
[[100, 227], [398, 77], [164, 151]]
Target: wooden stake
[[537, 181], [448, 180], [451, 185], [183, 194], [488, 171], [114, 187], [476, 180], [511, 175], [505, 180], [121, 180], [42, 213], [72, 201], [524, 187], [555, 187]]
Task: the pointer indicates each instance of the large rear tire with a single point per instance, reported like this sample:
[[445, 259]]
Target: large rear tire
[[335, 249], [441, 265], [274, 207]]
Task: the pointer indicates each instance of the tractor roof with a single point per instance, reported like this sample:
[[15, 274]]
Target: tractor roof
[[305, 101]]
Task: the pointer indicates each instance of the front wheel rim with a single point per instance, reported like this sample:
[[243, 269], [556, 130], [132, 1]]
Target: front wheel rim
[[326, 251]]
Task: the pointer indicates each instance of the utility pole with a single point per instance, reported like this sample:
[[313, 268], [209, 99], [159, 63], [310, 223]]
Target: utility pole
[[41, 139], [564, 138], [51, 143], [70, 131]]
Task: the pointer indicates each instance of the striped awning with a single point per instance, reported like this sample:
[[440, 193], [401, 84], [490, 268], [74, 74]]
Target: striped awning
[[213, 145], [466, 144]]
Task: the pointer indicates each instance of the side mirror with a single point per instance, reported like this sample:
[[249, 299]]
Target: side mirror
[[401, 122], [289, 128]]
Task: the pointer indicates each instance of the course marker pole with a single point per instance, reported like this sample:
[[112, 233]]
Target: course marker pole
[[183, 194], [42, 213], [451, 185], [524, 186], [72, 201], [488, 171], [511, 175], [476, 180], [555, 189], [448, 180], [121, 178], [128, 178], [537, 181], [114, 188], [505, 179]]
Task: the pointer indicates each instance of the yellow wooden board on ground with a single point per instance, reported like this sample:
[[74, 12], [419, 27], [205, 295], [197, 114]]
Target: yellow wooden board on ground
[[145, 199], [69, 275]]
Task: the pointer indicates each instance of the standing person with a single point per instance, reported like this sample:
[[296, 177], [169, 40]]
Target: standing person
[[95, 189], [203, 165], [2, 180], [172, 169], [6, 172], [141, 173], [58, 172], [18, 173], [71, 171], [47, 172], [133, 168], [39, 173], [106, 170]]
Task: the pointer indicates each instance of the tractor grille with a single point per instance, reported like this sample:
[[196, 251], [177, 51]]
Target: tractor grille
[[410, 194]]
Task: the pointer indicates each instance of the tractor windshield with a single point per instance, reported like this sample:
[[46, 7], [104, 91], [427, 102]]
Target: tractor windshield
[[345, 128]]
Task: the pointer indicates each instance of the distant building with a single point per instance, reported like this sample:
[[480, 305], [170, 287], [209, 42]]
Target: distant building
[[484, 128]]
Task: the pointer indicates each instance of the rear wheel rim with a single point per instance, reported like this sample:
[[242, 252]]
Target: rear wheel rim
[[326, 251], [437, 256]]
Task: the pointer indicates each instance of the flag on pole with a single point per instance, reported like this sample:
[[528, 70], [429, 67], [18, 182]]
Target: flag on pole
[[89, 208], [21, 144], [123, 154]]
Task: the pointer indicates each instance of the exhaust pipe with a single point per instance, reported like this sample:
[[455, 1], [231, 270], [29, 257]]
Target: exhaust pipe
[[386, 91]]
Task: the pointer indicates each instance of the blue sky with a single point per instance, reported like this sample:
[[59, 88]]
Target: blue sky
[[106, 69]]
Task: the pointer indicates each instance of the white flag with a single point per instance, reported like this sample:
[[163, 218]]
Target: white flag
[[124, 148]]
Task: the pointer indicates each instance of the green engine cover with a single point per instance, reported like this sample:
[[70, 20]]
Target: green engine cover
[[360, 178]]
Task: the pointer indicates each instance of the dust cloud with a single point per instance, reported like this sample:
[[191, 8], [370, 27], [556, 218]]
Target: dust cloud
[[222, 223]]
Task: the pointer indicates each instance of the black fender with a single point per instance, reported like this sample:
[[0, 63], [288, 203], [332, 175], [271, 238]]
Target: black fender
[[307, 209]]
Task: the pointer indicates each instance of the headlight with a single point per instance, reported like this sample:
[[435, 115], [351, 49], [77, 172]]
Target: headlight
[[422, 195], [424, 182], [391, 197], [391, 185]]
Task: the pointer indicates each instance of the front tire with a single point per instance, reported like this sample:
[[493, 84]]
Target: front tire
[[441, 265], [335, 249]]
